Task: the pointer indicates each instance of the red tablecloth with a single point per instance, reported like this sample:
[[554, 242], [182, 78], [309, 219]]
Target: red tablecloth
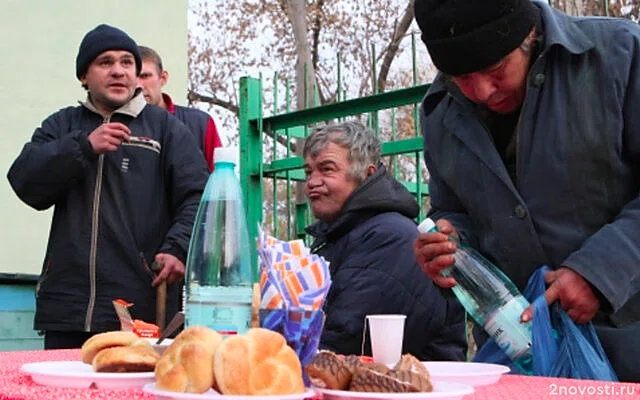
[[16, 386]]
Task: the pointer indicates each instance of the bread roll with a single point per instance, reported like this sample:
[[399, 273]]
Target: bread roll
[[187, 364], [257, 363], [369, 380], [420, 382], [105, 340], [331, 371], [136, 358], [410, 369], [408, 362]]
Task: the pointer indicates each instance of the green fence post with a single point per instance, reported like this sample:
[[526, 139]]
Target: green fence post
[[251, 157]]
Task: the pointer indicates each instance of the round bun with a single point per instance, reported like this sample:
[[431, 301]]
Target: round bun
[[105, 340], [187, 364], [257, 363], [137, 358]]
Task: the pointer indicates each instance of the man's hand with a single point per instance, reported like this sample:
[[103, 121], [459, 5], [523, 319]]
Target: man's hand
[[172, 269], [434, 252], [108, 137], [575, 295]]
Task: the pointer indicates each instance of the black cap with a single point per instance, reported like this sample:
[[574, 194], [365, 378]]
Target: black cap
[[464, 36], [103, 38]]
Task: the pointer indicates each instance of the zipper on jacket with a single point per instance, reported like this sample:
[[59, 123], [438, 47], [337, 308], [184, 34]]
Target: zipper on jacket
[[94, 240]]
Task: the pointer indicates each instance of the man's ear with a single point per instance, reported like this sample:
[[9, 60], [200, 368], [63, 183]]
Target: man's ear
[[371, 169], [164, 77]]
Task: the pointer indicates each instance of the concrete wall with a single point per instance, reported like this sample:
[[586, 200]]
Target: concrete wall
[[39, 44]]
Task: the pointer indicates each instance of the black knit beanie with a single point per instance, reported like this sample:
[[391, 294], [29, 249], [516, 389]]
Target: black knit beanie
[[101, 39], [464, 36]]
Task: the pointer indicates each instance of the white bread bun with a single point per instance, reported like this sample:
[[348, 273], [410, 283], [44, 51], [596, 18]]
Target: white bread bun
[[187, 364], [105, 340], [257, 363], [135, 358]]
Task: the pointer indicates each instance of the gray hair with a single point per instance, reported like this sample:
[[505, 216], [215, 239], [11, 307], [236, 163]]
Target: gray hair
[[362, 143], [533, 39]]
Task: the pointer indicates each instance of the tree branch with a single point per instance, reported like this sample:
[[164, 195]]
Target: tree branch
[[193, 96], [401, 30], [315, 41], [315, 33]]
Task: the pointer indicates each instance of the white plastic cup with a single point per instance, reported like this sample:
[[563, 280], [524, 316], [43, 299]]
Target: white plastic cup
[[386, 333]]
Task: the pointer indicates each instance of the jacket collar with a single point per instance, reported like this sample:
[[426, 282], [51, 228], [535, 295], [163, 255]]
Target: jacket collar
[[133, 108], [168, 102], [563, 30]]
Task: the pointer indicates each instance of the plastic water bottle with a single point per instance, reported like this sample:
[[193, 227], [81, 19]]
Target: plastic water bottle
[[219, 274], [492, 299]]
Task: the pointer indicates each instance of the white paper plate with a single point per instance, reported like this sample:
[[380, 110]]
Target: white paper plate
[[471, 373], [441, 390], [212, 394], [76, 374], [160, 348]]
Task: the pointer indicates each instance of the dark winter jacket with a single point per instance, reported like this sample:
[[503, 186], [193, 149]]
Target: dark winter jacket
[[112, 212], [575, 201], [374, 271]]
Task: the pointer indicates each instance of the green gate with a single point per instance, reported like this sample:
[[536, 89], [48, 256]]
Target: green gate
[[269, 169]]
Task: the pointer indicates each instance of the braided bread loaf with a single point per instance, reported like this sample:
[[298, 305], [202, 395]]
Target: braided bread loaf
[[257, 363], [187, 364]]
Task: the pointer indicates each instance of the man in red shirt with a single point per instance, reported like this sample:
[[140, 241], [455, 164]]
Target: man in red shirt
[[152, 79]]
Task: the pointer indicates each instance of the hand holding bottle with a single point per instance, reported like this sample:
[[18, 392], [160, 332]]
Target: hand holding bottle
[[575, 295], [487, 294], [434, 252]]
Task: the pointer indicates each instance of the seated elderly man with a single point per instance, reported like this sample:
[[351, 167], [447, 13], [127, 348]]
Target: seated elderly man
[[365, 229]]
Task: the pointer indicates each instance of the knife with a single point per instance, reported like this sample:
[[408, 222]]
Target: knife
[[175, 323]]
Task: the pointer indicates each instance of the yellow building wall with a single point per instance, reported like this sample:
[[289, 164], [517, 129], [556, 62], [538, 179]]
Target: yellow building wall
[[39, 44]]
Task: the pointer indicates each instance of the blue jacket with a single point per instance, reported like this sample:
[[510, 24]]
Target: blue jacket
[[112, 212], [374, 271], [575, 201], [575, 198]]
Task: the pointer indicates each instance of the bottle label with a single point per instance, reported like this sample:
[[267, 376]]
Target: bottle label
[[505, 328], [226, 310]]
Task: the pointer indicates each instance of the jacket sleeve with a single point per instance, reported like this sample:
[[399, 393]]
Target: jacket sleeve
[[211, 141], [444, 202], [55, 157], [610, 259], [364, 284], [186, 173]]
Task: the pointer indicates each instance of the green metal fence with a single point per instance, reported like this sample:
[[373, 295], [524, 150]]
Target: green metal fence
[[270, 169]]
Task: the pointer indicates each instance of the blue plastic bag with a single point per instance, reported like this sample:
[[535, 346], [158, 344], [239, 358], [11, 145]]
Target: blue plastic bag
[[560, 348]]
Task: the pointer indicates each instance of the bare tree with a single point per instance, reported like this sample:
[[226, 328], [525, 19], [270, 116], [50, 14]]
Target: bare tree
[[297, 39], [616, 8], [305, 76]]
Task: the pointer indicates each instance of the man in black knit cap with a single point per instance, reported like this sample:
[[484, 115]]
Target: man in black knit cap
[[532, 141], [125, 180]]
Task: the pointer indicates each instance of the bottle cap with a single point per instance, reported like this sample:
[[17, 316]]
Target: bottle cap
[[426, 225], [226, 155]]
